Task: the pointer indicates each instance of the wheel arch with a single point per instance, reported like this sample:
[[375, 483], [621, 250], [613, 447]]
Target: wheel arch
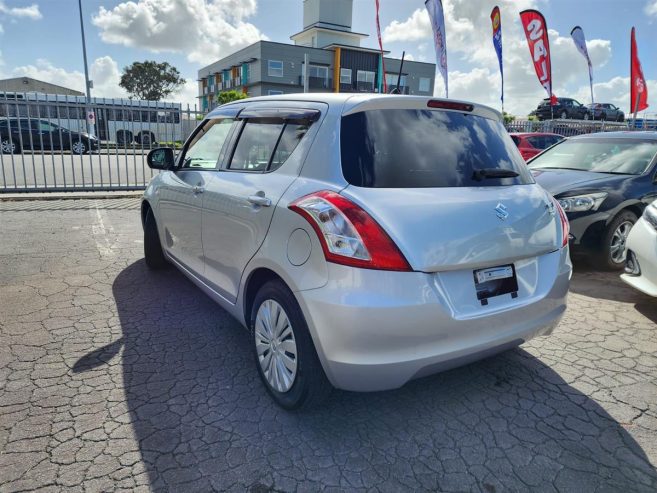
[[256, 279], [145, 207]]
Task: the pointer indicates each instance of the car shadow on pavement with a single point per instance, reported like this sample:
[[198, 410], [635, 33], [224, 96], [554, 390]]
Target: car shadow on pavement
[[204, 421]]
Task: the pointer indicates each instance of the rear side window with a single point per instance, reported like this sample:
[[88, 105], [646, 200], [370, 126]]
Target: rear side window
[[426, 148], [265, 144], [255, 146]]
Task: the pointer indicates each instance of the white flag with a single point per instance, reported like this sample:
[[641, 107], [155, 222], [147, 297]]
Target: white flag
[[580, 43], [435, 9]]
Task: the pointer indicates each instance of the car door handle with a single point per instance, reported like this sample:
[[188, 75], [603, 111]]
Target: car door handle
[[198, 189], [260, 200]]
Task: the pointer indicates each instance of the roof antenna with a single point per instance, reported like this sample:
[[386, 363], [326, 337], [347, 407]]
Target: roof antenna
[[401, 66]]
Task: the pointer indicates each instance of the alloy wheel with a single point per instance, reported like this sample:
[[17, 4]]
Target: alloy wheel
[[79, 147], [564, 115], [8, 147], [617, 250], [276, 346]]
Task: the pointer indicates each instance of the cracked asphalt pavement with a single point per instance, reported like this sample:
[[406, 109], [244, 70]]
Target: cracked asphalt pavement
[[116, 378]]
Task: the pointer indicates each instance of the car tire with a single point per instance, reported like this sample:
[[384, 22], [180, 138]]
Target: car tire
[[563, 115], [620, 118], [124, 137], [153, 253], [307, 386], [145, 138], [614, 237], [8, 146], [587, 116]]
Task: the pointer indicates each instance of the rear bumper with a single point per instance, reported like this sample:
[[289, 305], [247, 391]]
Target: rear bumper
[[377, 330], [643, 242]]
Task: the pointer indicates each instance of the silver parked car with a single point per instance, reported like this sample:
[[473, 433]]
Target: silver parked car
[[364, 240]]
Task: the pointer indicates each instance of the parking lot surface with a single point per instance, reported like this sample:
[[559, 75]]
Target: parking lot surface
[[116, 378]]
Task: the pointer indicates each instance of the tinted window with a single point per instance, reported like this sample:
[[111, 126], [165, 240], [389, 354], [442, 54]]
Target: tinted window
[[255, 147], [515, 139], [205, 149], [540, 141], [292, 135], [423, 148], [603, 156]]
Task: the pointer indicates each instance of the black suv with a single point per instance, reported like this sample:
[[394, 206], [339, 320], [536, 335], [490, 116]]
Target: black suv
[[564, 109], [17, 134]]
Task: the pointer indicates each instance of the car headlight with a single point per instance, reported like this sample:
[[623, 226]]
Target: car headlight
[[581, 203], [650, 215]]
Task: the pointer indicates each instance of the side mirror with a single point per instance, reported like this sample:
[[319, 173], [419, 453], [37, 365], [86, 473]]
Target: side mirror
[[161, 158]]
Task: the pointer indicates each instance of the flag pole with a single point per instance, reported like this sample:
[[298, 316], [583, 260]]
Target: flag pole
[[636, 108]]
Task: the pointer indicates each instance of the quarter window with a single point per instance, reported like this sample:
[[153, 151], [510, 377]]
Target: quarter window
[[204, 151], [275, 68]]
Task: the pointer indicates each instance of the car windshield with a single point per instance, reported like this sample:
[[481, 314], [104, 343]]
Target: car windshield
[[409, 148], [623, 156]]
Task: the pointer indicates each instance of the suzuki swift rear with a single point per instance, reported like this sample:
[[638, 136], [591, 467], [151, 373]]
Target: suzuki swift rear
[[409, 238]]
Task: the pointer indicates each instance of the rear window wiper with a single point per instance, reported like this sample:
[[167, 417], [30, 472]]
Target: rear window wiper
[[480, 174]]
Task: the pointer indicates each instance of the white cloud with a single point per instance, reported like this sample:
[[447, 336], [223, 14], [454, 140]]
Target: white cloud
[[205, 30], [651, 8], [30, 12], [103, 71]]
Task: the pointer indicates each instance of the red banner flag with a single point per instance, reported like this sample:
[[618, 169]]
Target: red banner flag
[[539, 47], [638, 87]]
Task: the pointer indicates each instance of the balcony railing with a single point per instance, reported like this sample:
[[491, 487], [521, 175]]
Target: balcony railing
[[324, 84]]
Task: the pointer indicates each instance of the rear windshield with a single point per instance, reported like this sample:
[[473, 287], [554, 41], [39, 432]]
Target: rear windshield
[[426, 148], [604, 155]]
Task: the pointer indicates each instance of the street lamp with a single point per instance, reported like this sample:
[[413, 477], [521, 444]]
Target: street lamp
[[90, 118]]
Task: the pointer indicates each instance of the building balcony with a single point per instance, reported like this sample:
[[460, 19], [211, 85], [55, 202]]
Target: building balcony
[[317, 83]]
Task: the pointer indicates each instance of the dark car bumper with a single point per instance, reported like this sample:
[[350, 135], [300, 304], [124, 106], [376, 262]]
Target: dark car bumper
[[586, 230]]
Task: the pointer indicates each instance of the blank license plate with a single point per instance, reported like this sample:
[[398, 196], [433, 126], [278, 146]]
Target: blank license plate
[[495, 281]]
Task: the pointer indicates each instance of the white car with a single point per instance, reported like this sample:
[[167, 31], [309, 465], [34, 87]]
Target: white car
[[641, 266], [364, 240]]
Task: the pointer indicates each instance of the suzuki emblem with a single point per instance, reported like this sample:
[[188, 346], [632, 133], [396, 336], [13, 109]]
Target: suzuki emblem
[[500, 210]]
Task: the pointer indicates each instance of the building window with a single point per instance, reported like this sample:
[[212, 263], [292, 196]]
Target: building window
[[365, 76], [391, 80], [365, 80], [273, 92], [425, 84], [345, 76], [318, 76], [275, 68]]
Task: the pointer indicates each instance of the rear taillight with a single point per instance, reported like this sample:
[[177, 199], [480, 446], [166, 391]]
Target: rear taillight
[[565, 225], [348, 234]]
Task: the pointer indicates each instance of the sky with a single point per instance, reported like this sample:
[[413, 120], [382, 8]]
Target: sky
[[41, 39]]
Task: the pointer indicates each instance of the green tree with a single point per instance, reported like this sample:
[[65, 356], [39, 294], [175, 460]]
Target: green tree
[[151, 80], [228, 96], [508, 117]]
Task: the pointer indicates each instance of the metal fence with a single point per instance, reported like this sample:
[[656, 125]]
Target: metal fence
[[567, 128], [45, 145]]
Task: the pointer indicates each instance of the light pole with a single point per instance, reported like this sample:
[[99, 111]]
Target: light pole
[[88, 83]]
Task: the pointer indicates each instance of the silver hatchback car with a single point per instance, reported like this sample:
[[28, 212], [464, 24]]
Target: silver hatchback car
[[364, 240]]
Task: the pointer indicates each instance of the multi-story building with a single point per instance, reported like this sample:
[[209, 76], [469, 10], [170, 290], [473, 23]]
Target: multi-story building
[[336, 62]]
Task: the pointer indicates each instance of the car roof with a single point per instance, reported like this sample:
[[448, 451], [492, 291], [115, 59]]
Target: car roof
[[352, 102], [625, 134]]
